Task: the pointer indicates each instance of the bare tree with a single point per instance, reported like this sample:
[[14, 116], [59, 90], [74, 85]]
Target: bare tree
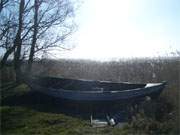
[[50, 26], [35, 31], [8, 30], [18, 42], [41, 25]]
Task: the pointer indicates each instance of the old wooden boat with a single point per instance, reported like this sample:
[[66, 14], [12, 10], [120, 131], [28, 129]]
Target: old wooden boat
[[87, 90]]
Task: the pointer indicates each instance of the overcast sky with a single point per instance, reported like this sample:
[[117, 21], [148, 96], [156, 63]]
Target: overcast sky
[[126, 28]]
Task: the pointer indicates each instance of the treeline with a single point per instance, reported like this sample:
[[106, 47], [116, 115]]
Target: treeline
[[134, 70], [30, 28]]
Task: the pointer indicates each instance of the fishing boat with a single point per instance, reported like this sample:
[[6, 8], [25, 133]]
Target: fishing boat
[[88, 90]]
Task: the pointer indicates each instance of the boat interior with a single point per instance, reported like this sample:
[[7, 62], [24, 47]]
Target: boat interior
[[84, 85]]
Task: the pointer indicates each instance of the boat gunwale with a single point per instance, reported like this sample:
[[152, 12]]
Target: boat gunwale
[[98, 91]]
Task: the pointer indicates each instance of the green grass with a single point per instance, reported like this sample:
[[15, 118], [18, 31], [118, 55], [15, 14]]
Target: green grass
[[21, 120]]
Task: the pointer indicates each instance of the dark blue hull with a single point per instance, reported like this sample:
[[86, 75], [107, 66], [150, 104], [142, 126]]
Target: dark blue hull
[[97, 91]]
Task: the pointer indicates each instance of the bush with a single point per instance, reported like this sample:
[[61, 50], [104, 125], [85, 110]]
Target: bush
[[156, 117]]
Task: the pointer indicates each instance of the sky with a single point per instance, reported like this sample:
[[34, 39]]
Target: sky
[[112, 29]]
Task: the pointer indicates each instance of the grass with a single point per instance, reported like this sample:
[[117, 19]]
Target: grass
[[21, 120]]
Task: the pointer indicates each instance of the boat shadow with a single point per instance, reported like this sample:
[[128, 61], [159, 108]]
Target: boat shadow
[[44, 103]]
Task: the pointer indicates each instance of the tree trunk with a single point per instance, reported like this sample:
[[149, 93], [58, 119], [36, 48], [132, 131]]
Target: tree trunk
[[18, 43], [2, 3], [6, 55], [34, 39]]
